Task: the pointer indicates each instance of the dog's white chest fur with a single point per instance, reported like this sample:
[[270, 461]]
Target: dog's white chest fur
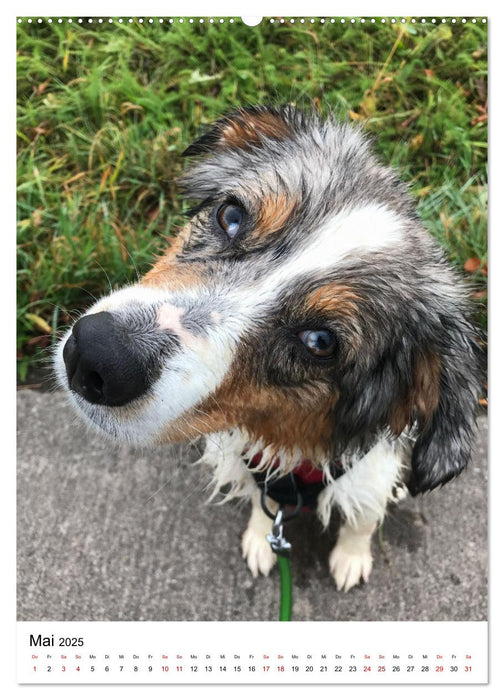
[[361, 495]]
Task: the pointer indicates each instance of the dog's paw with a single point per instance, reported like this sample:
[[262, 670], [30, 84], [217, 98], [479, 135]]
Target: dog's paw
[[350, 561], [258, 553]]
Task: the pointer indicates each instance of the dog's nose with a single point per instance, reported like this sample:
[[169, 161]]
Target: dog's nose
[[101, 365]]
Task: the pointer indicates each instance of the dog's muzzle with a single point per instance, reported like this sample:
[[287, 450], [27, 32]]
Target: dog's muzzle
[[102, 364]]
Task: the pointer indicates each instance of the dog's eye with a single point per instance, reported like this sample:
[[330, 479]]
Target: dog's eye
[[320, 343], [230, 217]]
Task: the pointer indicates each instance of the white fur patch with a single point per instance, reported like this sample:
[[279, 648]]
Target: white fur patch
[[351, 559], [364, 490], [134, 294], [224, 454], [372, 227], [361, 494], [255, 547]]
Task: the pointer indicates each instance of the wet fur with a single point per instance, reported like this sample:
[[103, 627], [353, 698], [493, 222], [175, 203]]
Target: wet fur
[[330, 238]]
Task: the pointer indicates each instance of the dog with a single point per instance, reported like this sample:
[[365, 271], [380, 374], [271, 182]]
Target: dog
[[303, 321]]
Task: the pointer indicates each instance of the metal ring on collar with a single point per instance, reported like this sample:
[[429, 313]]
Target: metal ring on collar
[[271, 515]]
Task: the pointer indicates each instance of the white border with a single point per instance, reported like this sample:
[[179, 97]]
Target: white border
[[260, 7]]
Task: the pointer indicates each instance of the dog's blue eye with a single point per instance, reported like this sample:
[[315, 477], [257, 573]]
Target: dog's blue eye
[[230, 218], [320, 343]]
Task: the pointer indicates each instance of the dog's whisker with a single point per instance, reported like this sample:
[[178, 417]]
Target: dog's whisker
[[109, 283], [135, 266]]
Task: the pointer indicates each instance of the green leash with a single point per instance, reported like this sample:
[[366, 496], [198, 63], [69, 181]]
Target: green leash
[[282, 548], [285, 588]]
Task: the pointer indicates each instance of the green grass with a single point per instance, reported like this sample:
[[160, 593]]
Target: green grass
[[105, 110]]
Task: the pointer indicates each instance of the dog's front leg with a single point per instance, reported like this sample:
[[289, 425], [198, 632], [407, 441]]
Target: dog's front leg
[[361, 495], [255, 547], [351, 559]]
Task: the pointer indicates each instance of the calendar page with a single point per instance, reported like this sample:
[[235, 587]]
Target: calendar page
[[252, 652], [251, 350]]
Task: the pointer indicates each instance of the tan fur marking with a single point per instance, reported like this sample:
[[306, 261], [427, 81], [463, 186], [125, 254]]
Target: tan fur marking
[[427, 372], [167, 273], [245, 130], [334, 298], [276, 210], [281, 419], [401, 415], [424, 395]]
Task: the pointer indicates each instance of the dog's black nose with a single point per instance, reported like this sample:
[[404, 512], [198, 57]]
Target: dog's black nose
[[101, 364]]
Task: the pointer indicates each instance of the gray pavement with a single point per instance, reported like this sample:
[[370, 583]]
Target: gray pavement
[[111, 533]]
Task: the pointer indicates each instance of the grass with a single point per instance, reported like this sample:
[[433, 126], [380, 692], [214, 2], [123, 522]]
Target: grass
[[105, 110]]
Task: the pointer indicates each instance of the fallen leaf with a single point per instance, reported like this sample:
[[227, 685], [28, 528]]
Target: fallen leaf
[[462, 88], [37, 216], [483, 115], [41, 88], [472, 264], [417, 141]]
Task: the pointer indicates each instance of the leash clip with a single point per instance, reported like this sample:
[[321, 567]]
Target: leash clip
[[276, 540]]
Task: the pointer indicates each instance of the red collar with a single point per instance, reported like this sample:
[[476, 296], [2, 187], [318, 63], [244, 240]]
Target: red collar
[[302, 485], [305, 470]]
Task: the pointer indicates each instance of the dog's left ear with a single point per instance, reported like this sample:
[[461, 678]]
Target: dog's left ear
[[243, 129], [446, 389]]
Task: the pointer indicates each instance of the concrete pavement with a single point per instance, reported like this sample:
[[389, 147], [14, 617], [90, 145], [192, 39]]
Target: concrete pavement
[[112, 533]]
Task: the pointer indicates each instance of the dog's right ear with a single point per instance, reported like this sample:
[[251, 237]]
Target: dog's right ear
[[243, 129]]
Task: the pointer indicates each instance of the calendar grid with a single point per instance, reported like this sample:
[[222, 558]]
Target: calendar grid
[[191, 652]]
